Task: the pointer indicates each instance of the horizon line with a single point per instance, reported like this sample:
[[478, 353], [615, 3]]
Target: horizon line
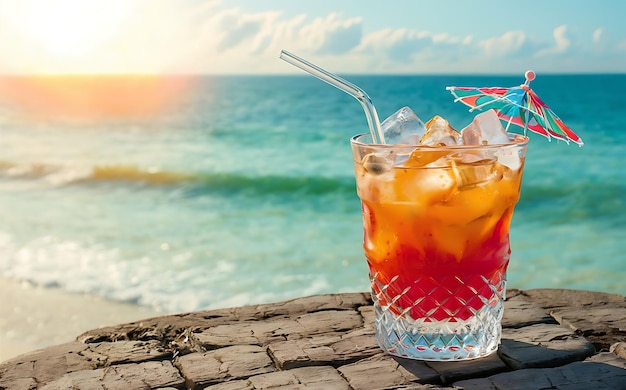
[[193, 74]]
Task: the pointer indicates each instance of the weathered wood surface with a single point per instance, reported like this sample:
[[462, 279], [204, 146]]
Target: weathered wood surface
[[552, 339]]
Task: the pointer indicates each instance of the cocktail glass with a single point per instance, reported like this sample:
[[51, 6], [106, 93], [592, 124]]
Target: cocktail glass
[[436, 238], [436, 229]]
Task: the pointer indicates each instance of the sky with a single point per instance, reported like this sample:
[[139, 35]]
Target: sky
[[347, 36]]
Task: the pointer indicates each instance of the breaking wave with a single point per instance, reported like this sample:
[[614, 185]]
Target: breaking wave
[[59, 175]]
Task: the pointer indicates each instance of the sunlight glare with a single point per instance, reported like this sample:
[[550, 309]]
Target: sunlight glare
[[93, 96], [70, 28]]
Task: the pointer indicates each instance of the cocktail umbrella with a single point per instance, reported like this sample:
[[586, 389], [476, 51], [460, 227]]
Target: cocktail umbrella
[[518, 105]]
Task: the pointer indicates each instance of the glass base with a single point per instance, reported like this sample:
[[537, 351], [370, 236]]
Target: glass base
[[438, 341], [449, 339]]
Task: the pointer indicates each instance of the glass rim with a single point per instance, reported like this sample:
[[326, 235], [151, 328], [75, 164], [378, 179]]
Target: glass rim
[[517, 140]]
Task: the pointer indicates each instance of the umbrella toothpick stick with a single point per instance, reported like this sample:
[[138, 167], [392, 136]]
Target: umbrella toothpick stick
[[517, 105], [530, 76]]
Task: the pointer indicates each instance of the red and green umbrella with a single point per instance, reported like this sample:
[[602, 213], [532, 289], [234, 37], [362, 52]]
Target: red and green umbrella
[[518, 105]]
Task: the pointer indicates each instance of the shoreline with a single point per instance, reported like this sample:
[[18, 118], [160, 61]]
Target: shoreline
[[34, 317]]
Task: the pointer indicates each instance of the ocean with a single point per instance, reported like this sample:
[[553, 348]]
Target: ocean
[[189, 193]]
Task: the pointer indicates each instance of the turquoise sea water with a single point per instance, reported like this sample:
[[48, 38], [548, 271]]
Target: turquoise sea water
[[243, 191]]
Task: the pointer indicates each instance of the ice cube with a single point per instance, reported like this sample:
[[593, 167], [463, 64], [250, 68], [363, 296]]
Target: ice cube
[[440, 133], [472, 174], [438, 183], [426, 158], [509, 158], [403, 127], [425, 186], [485, 129], [472, 157], [378, 163]]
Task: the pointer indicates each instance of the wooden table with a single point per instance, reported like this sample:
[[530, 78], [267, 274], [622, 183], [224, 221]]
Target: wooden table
[[552, 339]]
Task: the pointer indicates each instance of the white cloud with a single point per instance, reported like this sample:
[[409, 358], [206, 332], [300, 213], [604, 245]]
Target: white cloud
[[507, 44], [562, 40], [255, 44], [397, 44], [405, 44], [447, 38], [331, 35], [213, 37], [597, 35], [239, 28], [286, 33]]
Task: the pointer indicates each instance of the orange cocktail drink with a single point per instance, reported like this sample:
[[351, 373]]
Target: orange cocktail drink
[[437, 206], [436, 238]]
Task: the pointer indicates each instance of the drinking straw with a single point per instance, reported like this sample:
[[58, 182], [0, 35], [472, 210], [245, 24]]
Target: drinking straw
[[347, 87]]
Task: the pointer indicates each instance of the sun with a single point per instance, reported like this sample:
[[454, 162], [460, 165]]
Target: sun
[[69, 30], [74, 55]]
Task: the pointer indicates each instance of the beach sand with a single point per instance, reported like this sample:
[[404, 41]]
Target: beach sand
[[33, 317]]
